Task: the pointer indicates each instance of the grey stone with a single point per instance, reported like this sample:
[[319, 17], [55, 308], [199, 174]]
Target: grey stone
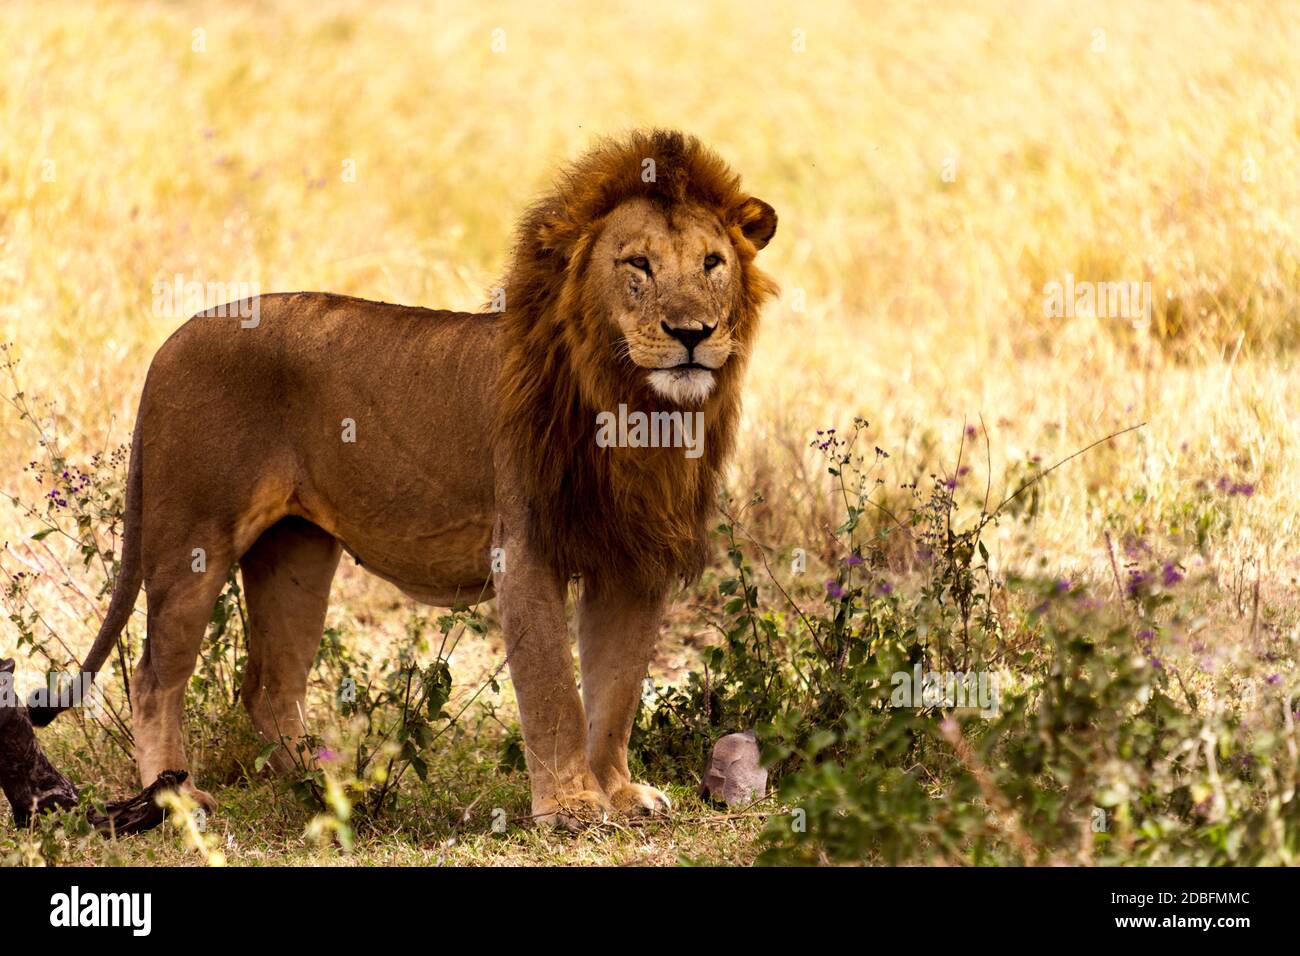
[[734, 776]]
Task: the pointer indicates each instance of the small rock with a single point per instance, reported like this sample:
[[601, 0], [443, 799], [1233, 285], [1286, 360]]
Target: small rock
[[735, 777]]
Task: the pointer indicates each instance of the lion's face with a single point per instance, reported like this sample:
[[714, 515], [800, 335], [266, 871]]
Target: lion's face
[[670, 277]]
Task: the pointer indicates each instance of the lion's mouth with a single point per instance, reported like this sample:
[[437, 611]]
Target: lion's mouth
[[687, 384]]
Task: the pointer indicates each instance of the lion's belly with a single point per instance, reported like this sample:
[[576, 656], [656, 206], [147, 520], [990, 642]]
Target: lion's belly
[[425, 526], [444, 565]]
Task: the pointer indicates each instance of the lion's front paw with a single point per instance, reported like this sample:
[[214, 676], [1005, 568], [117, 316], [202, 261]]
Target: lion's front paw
[[637, 799], [204, 799], [572, 812]]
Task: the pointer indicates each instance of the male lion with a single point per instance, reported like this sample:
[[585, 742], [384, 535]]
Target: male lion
[[422, 441]]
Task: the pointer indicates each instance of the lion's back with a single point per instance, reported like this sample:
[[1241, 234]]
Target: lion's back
[[329, 385], [303, 342]]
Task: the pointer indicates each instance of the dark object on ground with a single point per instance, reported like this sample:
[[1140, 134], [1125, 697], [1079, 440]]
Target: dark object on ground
[[734, 776], [139, 813], [30, 782], [32, 785]]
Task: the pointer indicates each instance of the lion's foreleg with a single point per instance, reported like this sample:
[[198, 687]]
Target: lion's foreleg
[[531, 604], [616, 638]]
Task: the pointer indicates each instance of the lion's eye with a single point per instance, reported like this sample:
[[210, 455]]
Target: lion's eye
[[640, 262], [711, 262]]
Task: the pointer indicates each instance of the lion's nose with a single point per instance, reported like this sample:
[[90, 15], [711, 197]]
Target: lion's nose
[[689, 337]]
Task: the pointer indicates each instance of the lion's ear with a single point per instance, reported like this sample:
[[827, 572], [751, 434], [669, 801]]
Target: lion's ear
[[555, 232], [757, 220], [553, 237]]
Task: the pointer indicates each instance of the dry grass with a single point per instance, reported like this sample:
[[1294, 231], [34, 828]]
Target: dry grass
[[910, 297]]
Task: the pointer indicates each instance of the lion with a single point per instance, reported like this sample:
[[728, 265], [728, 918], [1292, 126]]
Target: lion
[[454, 455]]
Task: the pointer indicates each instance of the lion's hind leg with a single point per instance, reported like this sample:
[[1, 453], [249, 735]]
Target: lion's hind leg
[[180, 596], [287, 575]]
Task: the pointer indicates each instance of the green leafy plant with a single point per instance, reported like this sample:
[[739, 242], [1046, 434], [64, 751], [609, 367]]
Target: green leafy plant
[[1099, 747]]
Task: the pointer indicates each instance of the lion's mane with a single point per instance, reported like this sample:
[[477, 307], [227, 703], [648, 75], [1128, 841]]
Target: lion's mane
[[631, 517]]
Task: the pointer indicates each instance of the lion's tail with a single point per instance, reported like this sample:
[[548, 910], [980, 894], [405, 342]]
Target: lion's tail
[[125, 589]]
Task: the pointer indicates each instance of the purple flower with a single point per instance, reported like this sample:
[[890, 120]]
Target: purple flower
[[1230, 487], [1272, 678], [1170, 575], [853, 560], [1136, 581], [834, 589]]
